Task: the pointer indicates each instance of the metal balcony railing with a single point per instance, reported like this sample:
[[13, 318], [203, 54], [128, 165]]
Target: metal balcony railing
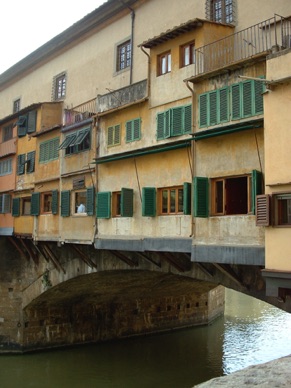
[[270, 35], [79, 113]]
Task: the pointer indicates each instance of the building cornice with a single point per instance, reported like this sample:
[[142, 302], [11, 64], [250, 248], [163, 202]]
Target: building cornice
[[77, 32]]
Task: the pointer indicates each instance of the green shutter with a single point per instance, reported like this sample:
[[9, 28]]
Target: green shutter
[[110, 132], [35, 201], [16, 207], [160, 126], [22, 126], [65, 203], [126, 202], [149, 201], [259, 103], [31, 162], [129, 131], [31, 121], [235, 101], [20, 164], [256, 187], [187, 198], [213, 109], [203, 110], [187, 118], [136, 129], [167, 127], [90, 194], [201, 195], [116, 138], [55, 201], [103, 207], [177, 121], [223, 105], [247, 98]]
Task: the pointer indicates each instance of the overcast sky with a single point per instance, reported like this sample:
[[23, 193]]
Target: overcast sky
[[27, 24]]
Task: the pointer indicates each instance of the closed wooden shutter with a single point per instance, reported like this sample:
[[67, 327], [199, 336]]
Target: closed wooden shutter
[[203, 110], [177, 121], [65, 203], [263, 210], [55, 201], [201, 197], [126, 208], [16, 207], [35, 202], [30, 162], [187, 198], [259, 100], [213, 109], [235, 102], [149, 201], [103, 209], [247, 98], [187, 118], [223, 105]]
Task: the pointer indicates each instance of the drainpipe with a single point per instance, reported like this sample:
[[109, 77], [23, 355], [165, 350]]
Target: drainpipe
[[149, 70], [132, 13], [193, 145]]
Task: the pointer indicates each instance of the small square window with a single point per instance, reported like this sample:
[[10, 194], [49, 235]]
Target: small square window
[[164, 63], [123, 56]]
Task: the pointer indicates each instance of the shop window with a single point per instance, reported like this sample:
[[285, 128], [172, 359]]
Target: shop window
[[164, 63], [123, 56], [187, 54]]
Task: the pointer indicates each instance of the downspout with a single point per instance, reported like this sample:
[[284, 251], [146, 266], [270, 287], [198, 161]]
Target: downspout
[[193, 147], [149, 70], [97, 146], [132, 13]]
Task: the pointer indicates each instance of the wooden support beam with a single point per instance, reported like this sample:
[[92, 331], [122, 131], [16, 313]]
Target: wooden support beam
[[28, 244], [53, 258], [145, 257], [40, 252], [171, 260], [124, 258], [82, 255], [204, 269], [19, 249], [228, 271]]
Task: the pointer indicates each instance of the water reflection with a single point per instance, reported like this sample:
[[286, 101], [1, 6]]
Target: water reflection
[[254, 332], [251, 332]]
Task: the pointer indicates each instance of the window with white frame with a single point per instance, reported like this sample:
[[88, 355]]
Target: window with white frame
[[123, 55]]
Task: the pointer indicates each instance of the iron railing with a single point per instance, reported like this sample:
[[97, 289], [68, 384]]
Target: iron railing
[[80, 112], [270, 35]]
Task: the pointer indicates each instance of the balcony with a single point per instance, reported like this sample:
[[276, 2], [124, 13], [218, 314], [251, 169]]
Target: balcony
[[122, 97], [252, 43], [79, 113]]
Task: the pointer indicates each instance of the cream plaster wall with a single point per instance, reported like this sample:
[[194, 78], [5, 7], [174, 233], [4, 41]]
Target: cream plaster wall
[[160, 170], [278, 157]]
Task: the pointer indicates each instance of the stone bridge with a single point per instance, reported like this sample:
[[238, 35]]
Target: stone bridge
[[58, 295]]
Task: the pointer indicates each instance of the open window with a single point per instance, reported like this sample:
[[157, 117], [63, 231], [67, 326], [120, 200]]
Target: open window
[[164, 63]]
